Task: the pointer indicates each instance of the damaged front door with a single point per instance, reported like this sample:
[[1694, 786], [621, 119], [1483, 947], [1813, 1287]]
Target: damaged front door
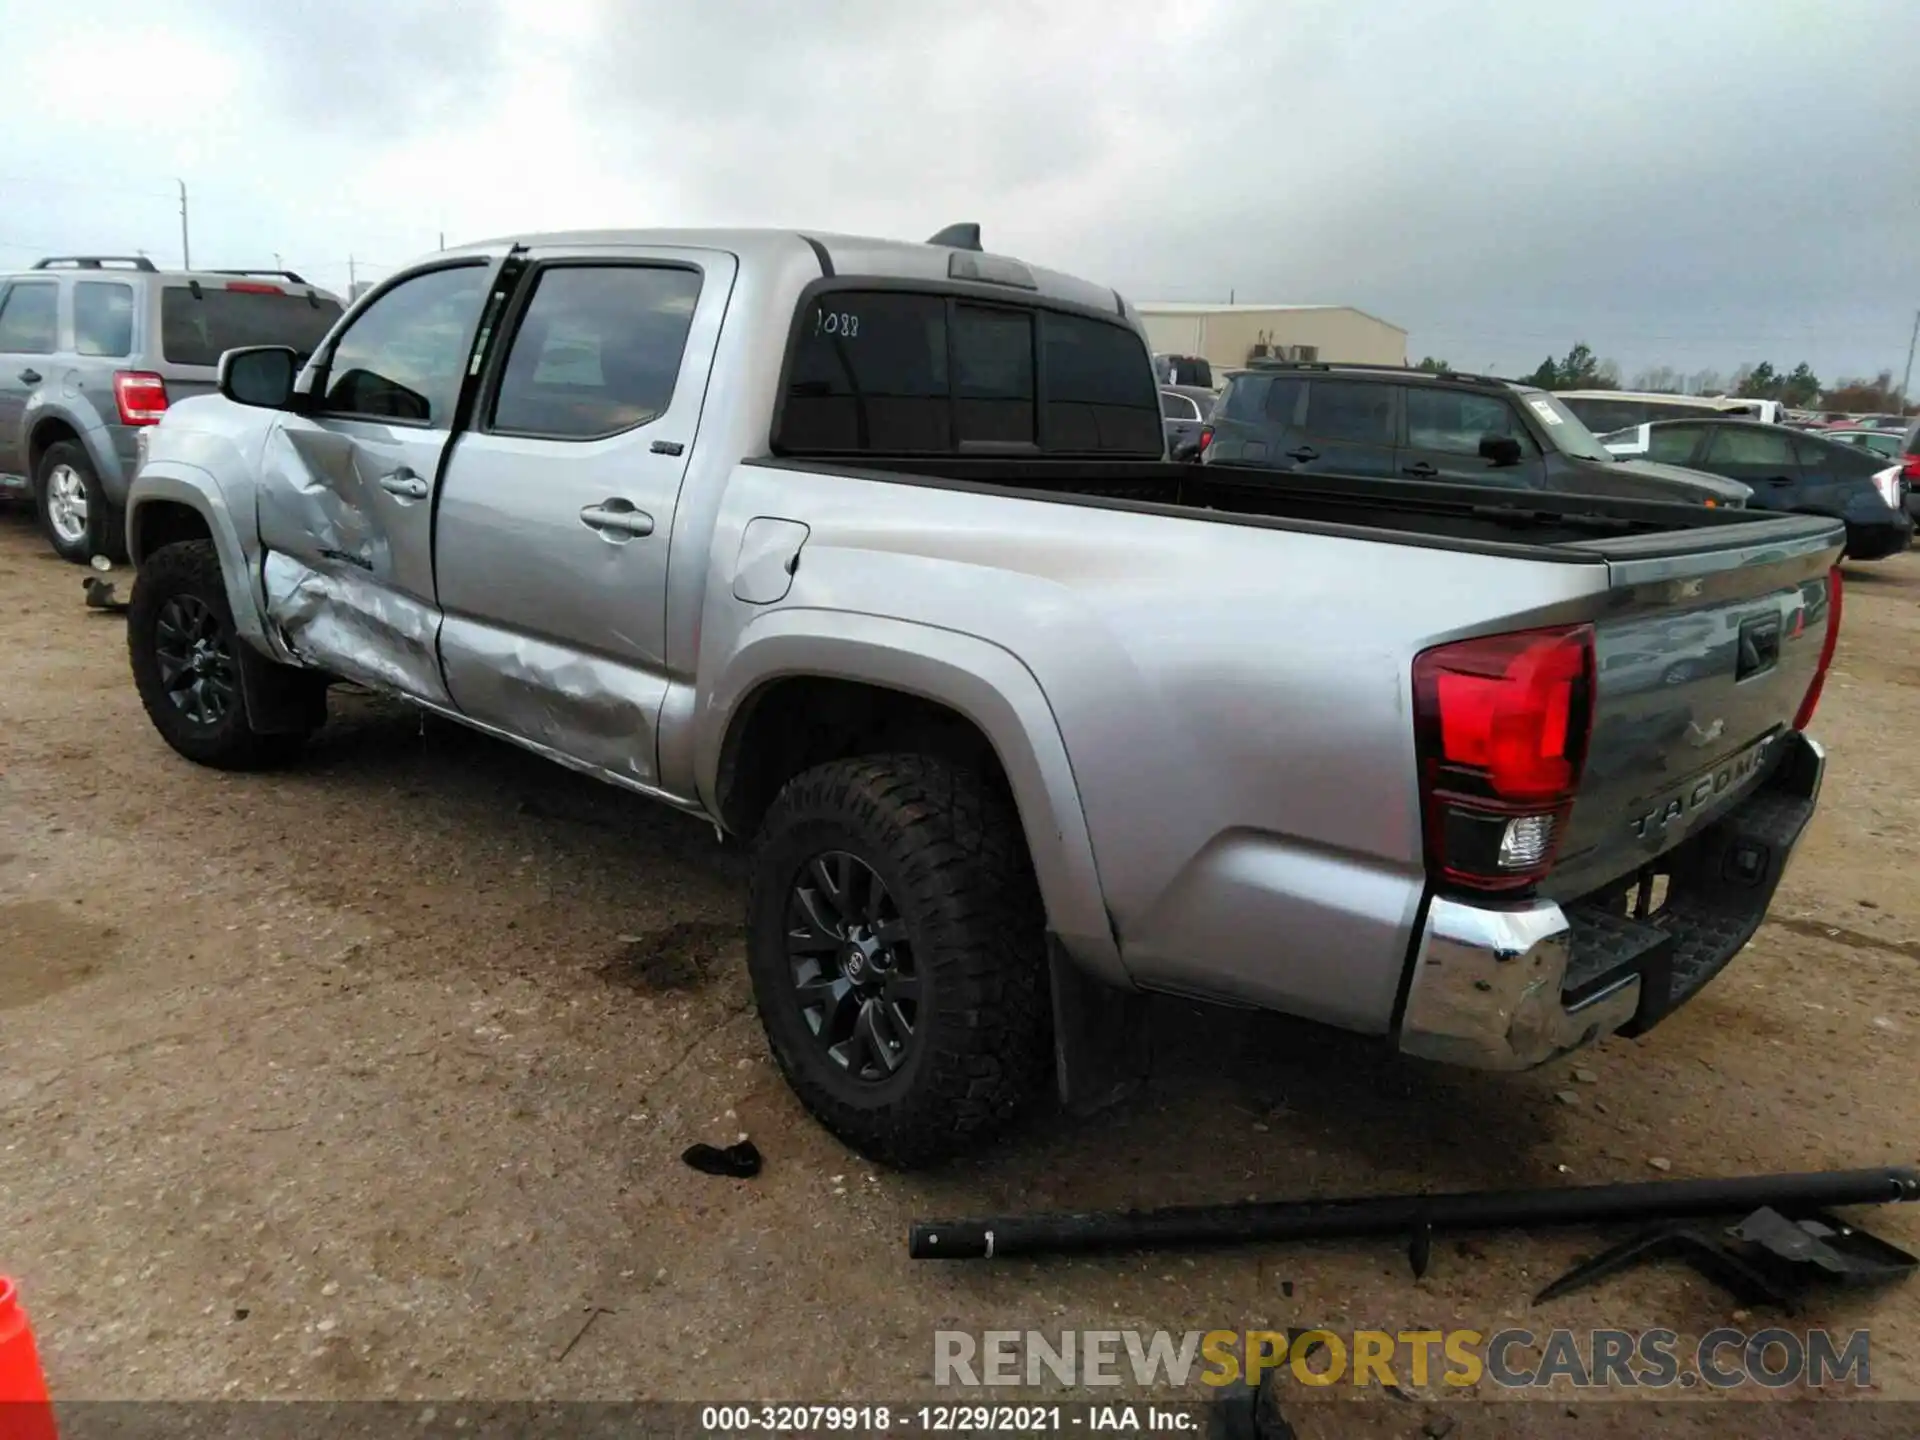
[[346, 500]]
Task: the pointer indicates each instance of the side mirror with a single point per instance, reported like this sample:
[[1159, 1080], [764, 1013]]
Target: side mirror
[[1500, 449], [259, 375]]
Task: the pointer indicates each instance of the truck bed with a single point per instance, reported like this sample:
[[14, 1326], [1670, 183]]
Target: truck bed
[[1490, 519]]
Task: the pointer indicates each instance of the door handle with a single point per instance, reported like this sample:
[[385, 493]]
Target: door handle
[[1303, 453], [617, 519], [404, 483], [31, 377], [1780, 480], [1424, 470]]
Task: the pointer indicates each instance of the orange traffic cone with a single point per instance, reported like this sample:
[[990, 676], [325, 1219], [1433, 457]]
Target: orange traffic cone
[[25, 1411]]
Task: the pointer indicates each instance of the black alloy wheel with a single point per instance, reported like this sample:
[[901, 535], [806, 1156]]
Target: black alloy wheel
[[195, 657], [854, 971]]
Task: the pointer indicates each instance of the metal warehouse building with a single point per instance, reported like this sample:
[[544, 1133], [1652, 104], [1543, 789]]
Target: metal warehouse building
[[1228, 336]]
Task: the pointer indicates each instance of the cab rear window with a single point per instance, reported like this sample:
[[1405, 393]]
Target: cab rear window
[[200, 323], [902, 372]]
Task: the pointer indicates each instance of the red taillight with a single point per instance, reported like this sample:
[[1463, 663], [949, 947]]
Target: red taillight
[[1206, 438], [254, 287], [1910, 468], [1501, 723], [1827, 645], [141, 396]]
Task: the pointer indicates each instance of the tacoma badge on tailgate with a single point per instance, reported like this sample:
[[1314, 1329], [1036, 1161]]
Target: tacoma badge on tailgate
[[1703, 789]]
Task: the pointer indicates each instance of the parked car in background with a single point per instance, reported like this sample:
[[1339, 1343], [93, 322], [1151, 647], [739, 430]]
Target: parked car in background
[[1898, 424], [1791, 470], [1604, 411], [94, 347], [1404, 424], [869, 550], [1183, 414]]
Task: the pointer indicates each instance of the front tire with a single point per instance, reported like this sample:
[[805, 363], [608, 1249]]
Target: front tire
[[187, 658], [897, 946], [75, 514]]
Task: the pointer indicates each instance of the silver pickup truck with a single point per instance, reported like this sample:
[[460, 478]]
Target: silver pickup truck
[[868, 551]]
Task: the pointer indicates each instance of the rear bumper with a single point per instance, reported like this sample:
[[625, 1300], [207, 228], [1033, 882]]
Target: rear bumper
[[1511, 988], [1878, 540]]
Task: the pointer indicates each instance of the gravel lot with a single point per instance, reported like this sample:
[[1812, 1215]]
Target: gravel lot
[[370, 1079]]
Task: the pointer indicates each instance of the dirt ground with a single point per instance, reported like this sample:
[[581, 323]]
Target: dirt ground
[[371, 1078]]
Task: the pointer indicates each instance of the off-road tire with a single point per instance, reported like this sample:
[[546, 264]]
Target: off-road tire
[[947, 843], [192, 569], [106, 522]]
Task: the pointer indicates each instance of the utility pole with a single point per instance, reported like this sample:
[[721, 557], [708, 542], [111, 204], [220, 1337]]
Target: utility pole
[[1907, 378], [186, 250], [353, 278]]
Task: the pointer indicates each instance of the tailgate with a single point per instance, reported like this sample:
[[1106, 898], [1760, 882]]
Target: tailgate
[[1701, 663]]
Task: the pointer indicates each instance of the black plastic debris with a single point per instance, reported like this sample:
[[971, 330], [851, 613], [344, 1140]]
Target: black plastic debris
[[1824, 1247], [102, 594], [1774, 1260], [1699, 1251], [736, 1162]]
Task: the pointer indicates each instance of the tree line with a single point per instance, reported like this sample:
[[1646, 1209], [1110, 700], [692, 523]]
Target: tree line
[[1798, 388]]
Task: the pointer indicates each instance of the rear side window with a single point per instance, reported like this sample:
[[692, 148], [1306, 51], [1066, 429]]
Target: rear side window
[[1743, 445], [102, 318], [1673, 444], [1356, 413], [200, 323], [597, 352], [1283, 401], [1832, 458], [904, 373], [29, 319], [1243, 398], [1453, 422]]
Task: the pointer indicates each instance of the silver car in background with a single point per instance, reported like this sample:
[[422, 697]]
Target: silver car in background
[[94, 348]]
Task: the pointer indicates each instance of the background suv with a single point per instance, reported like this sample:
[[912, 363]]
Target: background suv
[[94, 347], [1420, 425]]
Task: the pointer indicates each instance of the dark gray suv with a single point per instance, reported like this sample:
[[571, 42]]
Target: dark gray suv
[[1445, 428], [93, 347]]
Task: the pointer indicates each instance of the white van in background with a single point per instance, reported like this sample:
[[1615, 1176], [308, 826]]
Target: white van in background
[[1604, 411]]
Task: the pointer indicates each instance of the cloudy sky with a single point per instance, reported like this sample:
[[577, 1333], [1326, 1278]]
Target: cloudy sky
[[1687, 182]]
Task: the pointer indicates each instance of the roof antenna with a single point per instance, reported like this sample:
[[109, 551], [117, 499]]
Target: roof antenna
[[965, 236]]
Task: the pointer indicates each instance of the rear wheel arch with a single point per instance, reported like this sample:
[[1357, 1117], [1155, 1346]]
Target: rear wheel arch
[[48, 431], [880, 685]]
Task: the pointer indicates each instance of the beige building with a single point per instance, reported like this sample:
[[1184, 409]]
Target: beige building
[[1227, 336]]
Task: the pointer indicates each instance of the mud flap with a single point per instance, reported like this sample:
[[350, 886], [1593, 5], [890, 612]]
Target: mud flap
[[1101, 1047], [280, 700]]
